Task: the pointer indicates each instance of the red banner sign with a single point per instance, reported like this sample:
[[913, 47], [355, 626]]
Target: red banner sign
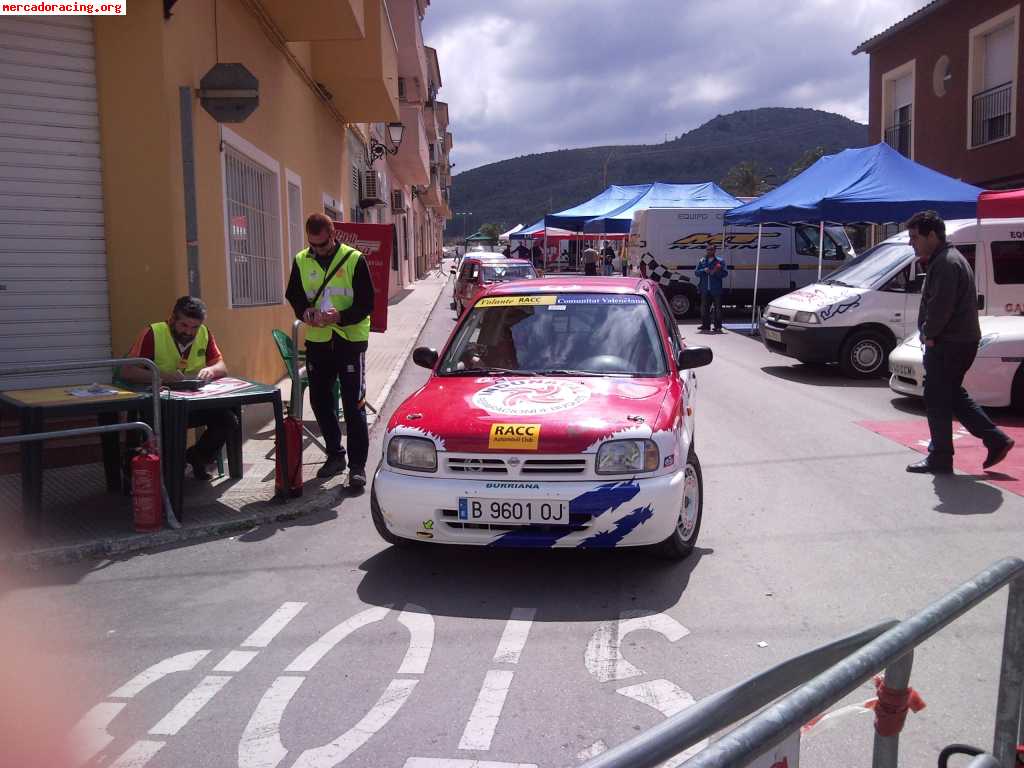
[[376, 242]]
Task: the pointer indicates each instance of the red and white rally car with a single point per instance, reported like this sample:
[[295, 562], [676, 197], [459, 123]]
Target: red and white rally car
[[560, 413]]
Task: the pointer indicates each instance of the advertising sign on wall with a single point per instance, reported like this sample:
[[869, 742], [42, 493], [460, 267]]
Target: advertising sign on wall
[[376, 242]]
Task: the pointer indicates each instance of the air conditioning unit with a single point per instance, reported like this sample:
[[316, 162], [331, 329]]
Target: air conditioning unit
[[397, 201], [373, 189]]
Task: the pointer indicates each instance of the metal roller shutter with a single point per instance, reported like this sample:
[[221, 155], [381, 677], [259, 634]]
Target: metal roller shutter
[[53, 264]]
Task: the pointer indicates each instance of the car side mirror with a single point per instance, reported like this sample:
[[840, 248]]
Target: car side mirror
[[694, 357], [425, 357]]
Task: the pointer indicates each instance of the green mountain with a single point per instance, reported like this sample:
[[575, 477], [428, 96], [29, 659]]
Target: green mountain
[[523, 189]]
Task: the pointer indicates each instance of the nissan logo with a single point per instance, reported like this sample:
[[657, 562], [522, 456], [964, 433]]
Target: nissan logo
[[473, 465]]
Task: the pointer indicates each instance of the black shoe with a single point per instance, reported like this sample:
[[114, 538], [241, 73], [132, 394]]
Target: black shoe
[[334, 465], [719, 330], [703, 328], [198, 467], [997, 454], [357, 478], [927, 466]]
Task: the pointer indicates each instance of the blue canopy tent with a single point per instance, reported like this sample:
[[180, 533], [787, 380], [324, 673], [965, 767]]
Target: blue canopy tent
[[871, 184], [703, 195], [612, 198]]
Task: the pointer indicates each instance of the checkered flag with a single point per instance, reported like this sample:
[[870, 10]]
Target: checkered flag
[[663, 276]]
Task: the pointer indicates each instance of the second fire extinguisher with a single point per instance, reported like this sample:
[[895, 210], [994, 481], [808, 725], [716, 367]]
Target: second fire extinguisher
[[288, 479], [147, 500]]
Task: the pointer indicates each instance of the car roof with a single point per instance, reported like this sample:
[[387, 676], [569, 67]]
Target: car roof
[[500, 260], [573, 284]]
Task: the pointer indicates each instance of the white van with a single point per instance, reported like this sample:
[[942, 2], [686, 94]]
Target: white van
[[858, 314], [667, 243]]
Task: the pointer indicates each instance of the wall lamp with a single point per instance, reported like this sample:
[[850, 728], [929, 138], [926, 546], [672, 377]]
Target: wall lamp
[[377, 150]]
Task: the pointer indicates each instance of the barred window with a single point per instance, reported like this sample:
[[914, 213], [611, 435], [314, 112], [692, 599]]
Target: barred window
[[254, 231]]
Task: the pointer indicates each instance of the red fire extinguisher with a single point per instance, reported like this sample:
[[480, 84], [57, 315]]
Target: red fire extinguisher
[[292, 486], [147, 501]]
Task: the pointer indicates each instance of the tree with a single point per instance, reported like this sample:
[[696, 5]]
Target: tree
[[746, 179], [491, 230], [806, 160]]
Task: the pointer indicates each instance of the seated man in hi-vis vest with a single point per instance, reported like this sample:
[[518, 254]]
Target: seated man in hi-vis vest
[[331, 291], [184, 348]]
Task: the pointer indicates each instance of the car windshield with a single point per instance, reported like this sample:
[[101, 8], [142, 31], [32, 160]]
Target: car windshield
[[873, 267], [498, 273], [557, 334]]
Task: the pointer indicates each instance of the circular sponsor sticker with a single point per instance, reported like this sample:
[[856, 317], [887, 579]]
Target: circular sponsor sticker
[[531, 397]]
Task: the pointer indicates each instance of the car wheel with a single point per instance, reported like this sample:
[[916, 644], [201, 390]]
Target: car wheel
[[865, 354], [1017, 391], [682, 304], [382, 529], [682, 540]]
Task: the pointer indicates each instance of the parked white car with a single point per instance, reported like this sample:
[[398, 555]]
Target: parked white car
[[997, 377]]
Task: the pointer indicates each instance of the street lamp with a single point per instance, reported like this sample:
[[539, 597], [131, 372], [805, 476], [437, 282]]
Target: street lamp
[[376, 150], [464, 223]]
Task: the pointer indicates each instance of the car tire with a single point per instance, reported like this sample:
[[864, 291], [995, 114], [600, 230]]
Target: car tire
[[865, 354], [684, 536], [382, 529], [683, 304], [1017, 391]]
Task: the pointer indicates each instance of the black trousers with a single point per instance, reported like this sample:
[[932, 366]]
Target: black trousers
[[219, 425], [945, 366], [710, 310], [339, 360], [590, 269]]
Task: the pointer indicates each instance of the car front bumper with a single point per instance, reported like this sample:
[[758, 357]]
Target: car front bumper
[[807, 343], [603, 513]]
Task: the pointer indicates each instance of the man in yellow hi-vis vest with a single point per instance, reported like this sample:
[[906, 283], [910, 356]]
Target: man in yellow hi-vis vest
[[331, 291], [184, 348]]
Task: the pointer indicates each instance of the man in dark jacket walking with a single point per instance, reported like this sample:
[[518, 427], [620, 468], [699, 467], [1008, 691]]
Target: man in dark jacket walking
[[948, 323]]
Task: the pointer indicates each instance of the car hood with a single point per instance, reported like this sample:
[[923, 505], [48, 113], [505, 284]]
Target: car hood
[[530, 414], [819, 296]]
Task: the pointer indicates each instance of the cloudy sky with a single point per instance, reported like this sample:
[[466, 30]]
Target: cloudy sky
[[524, 76]]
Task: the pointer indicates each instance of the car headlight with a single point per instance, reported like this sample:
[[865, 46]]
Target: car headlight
[[416, 453], [619, 457], [806, 317]]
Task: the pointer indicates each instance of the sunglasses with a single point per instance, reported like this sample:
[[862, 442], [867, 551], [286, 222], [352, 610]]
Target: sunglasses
[[322, 244]]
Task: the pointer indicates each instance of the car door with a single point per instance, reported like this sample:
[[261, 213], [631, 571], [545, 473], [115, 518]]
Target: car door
[[901, 299], [1006, 285]]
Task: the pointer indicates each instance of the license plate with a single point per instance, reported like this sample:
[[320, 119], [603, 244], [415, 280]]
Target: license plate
[[772, 335], [513, 511], [903, 370]]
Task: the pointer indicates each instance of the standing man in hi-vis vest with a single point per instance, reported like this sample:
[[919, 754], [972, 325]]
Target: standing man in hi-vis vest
[[184, 348], [331, 291]]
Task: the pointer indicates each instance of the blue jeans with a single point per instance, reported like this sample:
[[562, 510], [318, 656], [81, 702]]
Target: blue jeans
[[945, 366]]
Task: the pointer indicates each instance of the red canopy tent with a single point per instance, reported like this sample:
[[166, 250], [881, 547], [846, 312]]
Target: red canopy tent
[[1001, 204]]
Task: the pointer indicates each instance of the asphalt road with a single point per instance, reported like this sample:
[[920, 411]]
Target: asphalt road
[[315, 644]]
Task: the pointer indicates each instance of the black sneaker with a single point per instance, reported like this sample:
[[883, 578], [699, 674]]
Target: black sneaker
[[334, 465], [357, 478], [199, 471]]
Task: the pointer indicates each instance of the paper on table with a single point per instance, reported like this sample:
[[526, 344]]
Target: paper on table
[[93, 390]]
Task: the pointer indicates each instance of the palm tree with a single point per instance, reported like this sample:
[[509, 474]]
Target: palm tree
[[746, 179]]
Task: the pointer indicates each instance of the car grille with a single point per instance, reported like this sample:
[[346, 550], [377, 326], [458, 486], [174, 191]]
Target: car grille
[[552, 467], [777, 319]]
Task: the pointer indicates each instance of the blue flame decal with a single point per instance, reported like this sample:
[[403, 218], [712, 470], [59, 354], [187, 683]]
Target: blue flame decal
[[623, 527], [605, 498]]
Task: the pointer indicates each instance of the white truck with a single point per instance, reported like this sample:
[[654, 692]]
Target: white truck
[[667, 243], [857, 314]]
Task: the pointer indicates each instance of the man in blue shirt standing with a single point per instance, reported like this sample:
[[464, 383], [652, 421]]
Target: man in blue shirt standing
[[710, 272]]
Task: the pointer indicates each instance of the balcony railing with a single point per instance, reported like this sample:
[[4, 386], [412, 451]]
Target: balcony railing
[[898, 137], [990, 114]]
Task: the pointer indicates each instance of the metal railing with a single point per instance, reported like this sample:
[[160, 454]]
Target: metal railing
[[151, 432], [854, 660], [990, 114], [898, 137]]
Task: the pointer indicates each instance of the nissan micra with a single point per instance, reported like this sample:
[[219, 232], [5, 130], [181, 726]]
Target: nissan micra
[[560, 413]]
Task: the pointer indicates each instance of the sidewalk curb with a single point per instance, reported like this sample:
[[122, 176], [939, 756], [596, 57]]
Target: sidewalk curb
[[134, 543], [396, 370]]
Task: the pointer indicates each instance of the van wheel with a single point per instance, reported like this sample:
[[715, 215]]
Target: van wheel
[[865, 354], [382, 529], [1017, 391], [682, 540], [682, 304]]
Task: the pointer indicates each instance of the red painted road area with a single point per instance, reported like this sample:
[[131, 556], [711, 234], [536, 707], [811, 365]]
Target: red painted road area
[[970, 452]]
